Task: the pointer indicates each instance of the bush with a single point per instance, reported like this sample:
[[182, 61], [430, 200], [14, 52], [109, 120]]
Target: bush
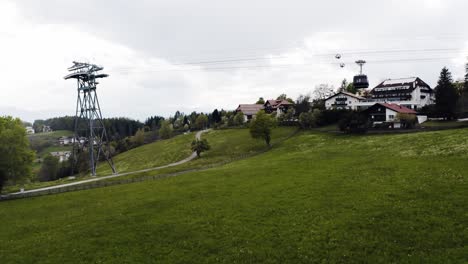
[[239, 119], [261, 126], [49, 169], [310, 119], [354, 123], [166, 130], [200, 146], [332, 116], [407, 120]]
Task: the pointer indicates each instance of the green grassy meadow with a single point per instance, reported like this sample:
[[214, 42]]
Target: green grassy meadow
[[151, 155], [314, 198]]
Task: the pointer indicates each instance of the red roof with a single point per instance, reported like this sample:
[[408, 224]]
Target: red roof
[[398, 108], [249, 109], [276, 103]]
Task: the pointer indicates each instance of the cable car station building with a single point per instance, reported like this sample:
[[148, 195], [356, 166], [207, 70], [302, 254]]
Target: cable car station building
[[412, 93]]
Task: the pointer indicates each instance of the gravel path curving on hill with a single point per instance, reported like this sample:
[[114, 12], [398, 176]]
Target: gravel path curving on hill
[[191, 157]]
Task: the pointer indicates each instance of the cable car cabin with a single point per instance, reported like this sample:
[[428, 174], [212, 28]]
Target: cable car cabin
[[361, 82]]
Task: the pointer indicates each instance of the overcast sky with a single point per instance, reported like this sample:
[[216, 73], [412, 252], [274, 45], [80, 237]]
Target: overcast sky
[[190, 55]]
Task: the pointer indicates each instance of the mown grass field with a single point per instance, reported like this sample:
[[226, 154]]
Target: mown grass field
[[315, 198]]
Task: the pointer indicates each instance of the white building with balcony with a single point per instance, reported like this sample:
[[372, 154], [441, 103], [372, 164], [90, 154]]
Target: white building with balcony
[[412, 93]]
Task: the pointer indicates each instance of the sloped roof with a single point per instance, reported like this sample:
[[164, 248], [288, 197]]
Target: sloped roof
[[278, 103], [249, 109], [410, 81], [398, 108], [348, 94], [399, 81]]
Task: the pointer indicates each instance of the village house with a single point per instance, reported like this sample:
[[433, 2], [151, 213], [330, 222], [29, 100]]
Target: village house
[[46, 129], [410, 92], [29, 130], [387, 113], [61, 155], [343, 101], [65, 141], [277, 106], [249, 110]]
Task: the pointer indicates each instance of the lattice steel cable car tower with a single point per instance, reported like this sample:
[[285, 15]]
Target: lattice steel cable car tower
[[88, 118]]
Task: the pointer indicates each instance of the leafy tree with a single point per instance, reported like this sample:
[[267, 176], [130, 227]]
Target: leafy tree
[[49, 169], [154, 122], [201, 122], [407, 120], [446, 95], [261, 126], [285, 97], [239, 119], [466, 79], [351, 89], [179, 122], [288, 116], [15, 155], [353, 123], [260, 101], [166, 129], [302, 105], [200, 146], [310, 119], [139, 138], [82, 162], [216, 116], [323, 91], [343, 86]]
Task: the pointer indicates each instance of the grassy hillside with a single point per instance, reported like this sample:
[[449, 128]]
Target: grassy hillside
[[151, 155], [314, 198], [44, 143], [226, 145]]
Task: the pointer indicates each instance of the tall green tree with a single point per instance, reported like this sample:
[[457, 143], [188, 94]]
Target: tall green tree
[[446, 95], [201, 122], [343, 86], [216, 116], [350, 88], [260, 101], [15, 155], [285, 97], [239, 119], [200, 146], [302, 105], [261, 126], [49, 169], [166, 129], [466, 79], [139, 138]]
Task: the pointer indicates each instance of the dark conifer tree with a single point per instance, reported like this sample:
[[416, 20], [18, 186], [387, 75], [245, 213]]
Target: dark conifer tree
[[446, 95], [466, 79], [216, 117]]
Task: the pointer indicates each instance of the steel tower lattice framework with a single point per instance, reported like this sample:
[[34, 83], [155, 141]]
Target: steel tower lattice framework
[[88, 118]]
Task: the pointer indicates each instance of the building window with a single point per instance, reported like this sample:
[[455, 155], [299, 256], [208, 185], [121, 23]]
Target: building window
[[391, 117]]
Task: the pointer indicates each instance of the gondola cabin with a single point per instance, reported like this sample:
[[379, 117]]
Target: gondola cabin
[[360, 81]]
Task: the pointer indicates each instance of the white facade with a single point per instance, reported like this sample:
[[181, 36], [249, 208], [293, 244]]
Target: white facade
[[412, 93], [345, 101], [390, 115], [29, 130], [61, 155]]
